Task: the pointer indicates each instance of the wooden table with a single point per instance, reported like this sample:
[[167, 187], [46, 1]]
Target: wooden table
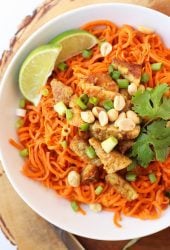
[[20, 224]]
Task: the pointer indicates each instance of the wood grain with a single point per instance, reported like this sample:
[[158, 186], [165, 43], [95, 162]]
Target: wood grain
[[20, 224]]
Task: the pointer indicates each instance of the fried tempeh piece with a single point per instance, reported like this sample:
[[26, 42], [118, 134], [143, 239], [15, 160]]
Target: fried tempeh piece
[[60, 91], [103, 80], [78, 146], [103, 132], [122, 186], [112, 161], [90, 173], [97, 91], [130, 71]]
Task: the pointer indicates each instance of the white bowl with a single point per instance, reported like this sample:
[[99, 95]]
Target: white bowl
[[42, 200]]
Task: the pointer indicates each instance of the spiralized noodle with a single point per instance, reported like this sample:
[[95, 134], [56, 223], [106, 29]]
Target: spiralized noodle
[[50, 163]]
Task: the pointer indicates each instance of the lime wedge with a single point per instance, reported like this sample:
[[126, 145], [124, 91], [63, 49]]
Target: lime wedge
[[35, 71], [73, 42]]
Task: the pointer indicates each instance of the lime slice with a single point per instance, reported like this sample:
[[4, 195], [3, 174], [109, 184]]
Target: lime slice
[[35, 71], [73, 42]]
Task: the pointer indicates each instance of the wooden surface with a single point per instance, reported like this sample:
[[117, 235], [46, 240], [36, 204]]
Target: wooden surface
[[20, 224]]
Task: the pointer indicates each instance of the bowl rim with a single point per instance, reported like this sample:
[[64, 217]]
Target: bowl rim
[[2, 83]]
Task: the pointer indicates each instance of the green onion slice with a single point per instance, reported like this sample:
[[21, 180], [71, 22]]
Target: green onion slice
[[130, 177], [90, 152], [74, 206], [156, 66], [87, 53], [123, 83], [145, 77], [108, 104], [98, 190], [152, 177], [84, 127], [24, 152], [62, 66]]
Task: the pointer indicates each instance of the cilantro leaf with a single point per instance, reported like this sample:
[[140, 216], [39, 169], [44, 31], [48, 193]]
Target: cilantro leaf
[[152, 103], [152, 144]]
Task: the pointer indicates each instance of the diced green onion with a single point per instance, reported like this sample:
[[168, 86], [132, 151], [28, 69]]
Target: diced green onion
[[132, 166], [110, 69], [84, 127], [84, 98], [93, 100], [74, 206], [19, 123], [90, 152], [60, 108], [22, 103], [45, 92], [152, 177], [123, 83], [69, 114], [167, 193], [86, 53], [81, 104], [98, 190], [156, 66], [24, 152], [62, 66], [63, 144], [130, 177], [145, 77], [115, 74], [109, 144], [108, 104]]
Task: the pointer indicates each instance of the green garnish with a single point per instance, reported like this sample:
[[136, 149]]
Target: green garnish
[[156, 66], [69, 114], [84, 127], [22, 103], [81, 104], [84, 98], [19, 123], [145, 77], [153, 143], [63, 144], [90, 152], [24, 152], [152, 103], [94, 100], [110, 69], [98, 190], [130, 177], [132, 166], [123, 83], [115, 74], [108, 104], [62, 66], [45, 92], [86, 53], [74, 206], [109, 144], [152, 177]]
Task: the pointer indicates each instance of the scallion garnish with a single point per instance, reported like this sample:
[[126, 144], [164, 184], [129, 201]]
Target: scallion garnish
[[108, 104], [152, 177], [90, 152], [156, 66], [62, 66], [98, 190], [123, 83]]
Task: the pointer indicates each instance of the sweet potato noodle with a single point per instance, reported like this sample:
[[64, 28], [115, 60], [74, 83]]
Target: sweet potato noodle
[[43, 130]]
